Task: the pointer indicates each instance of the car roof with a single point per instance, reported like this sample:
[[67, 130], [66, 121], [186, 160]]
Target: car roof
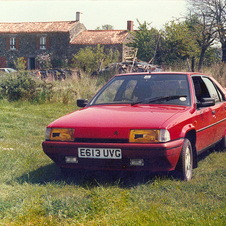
[[162, 73]]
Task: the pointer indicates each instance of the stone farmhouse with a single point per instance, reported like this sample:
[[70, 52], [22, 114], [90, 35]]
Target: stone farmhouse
[[62, 39]]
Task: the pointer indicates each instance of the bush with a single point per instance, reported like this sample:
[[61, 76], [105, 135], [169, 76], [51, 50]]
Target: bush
[[16, 86], [23, 86], [44, 60], [91, 58], [20, 64]]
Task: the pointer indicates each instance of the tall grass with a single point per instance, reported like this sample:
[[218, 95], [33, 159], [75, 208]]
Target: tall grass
[[218, 71]]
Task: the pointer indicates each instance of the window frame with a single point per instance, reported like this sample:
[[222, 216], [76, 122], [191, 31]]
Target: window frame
[[219, 94], [43, 43], [218, 91], [12, 43]]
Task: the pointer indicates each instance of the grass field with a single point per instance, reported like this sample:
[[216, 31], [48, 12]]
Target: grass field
[[34, 192]]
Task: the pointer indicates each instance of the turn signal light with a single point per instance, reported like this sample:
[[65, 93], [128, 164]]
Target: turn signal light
[[60, 134], [149, 136]]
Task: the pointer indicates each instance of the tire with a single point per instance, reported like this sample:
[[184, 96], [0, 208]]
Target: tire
[[186, 164], [221, 146], [223, 143]]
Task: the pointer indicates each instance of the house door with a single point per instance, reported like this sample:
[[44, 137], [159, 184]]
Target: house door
[[31, 63]]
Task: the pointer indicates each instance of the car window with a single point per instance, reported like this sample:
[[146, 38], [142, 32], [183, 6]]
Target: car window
[[132, 88], [201, 90], [109, 93], [214, 92]]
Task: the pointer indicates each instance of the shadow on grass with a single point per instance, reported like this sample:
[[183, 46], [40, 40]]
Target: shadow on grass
[[52, 174]]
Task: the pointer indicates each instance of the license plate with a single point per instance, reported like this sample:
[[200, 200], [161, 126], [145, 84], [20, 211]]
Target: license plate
[[100, 153]]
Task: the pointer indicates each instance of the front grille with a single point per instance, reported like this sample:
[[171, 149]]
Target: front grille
[[93, 140]]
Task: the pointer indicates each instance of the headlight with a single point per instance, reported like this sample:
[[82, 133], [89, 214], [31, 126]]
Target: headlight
[[59, 134], [149, 136]]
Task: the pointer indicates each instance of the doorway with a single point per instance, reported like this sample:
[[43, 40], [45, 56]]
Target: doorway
[[31, 63]]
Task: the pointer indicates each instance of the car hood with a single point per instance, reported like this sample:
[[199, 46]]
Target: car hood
[[116, 121]]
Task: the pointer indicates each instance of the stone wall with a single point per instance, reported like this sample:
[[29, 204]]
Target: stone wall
[[28, 46]]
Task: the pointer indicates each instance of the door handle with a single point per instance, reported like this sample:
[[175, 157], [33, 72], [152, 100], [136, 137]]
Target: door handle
[[213, 112]]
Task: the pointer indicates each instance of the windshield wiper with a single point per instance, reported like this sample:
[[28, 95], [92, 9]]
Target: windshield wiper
[[151, 100]]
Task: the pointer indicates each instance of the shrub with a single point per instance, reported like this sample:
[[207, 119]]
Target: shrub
[[44, 60], [16, 86], [90, 59], [20, 64], [23, 86]]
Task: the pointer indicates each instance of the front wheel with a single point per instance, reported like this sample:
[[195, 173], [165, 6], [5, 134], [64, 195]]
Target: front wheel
[[186, 164]]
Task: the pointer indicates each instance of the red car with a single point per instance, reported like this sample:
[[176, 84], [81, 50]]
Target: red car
[[144, 121]]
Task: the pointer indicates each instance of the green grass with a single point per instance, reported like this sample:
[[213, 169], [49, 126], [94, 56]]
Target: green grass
[[34, 192]]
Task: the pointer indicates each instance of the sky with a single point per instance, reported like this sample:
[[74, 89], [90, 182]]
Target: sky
[[95, 13]]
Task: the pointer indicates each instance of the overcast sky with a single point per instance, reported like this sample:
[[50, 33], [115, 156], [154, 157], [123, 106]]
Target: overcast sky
[[94, 12]]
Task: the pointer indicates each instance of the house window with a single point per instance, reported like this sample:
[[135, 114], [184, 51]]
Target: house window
[[12, 43], [42, 42]]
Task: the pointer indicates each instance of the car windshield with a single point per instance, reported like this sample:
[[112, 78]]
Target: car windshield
[[170, 89]]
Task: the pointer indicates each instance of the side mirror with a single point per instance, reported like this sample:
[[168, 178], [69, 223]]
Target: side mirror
[[82, 103], [206, 102]]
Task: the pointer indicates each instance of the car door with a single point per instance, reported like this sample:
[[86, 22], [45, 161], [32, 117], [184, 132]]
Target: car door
[[204, 118], [218, 110]]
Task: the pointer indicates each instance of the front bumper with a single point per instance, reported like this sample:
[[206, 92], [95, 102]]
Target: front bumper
[[156, 157]]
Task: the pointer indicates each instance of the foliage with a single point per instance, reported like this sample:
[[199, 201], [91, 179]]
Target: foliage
[[213, 14], [23, 86], [204, 34], [20, 64], [105, 27], [212, 57], [177, 43], [44, 60], [185, 42], [146, 39], [90, 59], [59, 63], [16, 86]]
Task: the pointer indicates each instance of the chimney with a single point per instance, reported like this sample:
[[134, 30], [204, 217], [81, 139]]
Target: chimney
[[78, 16], [130, 25]]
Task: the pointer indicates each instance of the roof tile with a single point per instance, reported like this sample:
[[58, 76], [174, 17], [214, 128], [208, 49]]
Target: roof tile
[[32, 27], [104, 37]]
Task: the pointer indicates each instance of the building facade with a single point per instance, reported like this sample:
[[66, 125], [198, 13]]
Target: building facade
[[61, 39], [110, 39], [31, 39]]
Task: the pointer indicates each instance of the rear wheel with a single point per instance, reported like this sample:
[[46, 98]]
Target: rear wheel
[[186, 164]]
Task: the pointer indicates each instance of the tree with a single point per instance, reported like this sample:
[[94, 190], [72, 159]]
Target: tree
[[90, 59], [105, 27], [213, 14], [178, 43], [203, 32], [146, 40]]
